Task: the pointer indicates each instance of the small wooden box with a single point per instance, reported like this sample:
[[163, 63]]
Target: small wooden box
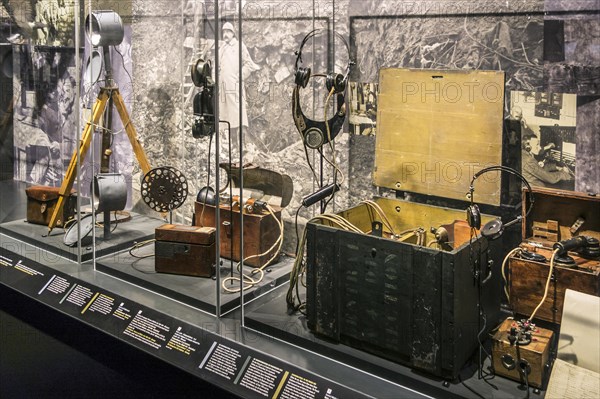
[[559, 211], [261, 231], [186, 250], [508, 359]]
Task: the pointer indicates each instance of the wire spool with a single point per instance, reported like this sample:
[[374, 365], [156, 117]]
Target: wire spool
[[164, 189]]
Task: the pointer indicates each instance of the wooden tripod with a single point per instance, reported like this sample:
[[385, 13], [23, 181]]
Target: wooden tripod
[[105, 94]]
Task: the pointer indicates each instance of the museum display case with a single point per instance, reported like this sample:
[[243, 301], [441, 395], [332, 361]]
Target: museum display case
[[327, 198]]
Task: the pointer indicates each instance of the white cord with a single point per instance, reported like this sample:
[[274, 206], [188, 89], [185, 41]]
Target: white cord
[[511, 253], [248, 280], [547, 284]]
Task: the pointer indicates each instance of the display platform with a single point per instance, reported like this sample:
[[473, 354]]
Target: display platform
[[12, 223], [270, 317], [125, 234], [198, 292]]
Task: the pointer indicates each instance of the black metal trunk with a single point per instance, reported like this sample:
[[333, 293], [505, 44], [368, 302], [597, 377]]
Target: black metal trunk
[[411, 304]]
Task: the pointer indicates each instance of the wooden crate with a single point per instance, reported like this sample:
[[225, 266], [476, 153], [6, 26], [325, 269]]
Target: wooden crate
[[261, 231], [185, 250], [535, 355], [560, 212]]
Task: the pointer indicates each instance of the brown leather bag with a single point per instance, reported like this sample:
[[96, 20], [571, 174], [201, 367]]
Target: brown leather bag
[[41, 201]]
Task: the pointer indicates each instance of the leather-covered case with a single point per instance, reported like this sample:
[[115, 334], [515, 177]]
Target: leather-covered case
[[41, 201]]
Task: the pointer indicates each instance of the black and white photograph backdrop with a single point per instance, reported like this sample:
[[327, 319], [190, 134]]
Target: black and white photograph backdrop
[[41, 22], [44, 110], [363, 108], [548, 124], [47, 107]]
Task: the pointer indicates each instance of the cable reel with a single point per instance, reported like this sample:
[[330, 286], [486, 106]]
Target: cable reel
[[164, 189]]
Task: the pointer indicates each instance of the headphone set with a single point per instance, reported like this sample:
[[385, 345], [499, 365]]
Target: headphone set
[[203, 124], [494, 228], [316, 133]]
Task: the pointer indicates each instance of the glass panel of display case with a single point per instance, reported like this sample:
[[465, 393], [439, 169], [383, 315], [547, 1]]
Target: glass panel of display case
[[290, 52], [149, 162], [40, 127]]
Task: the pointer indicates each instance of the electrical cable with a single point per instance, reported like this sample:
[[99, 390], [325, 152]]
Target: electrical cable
[[547, 284], [481, 312], [296, 228], [248, 280], [140, 270], [333, 161], [116, 223], [526, 383], [139, 245], [230, 227], [522, 368], [123, 62], [513, 172], [312, 169], [503, 269], [384, 219], [485, 375], [298, 269], [328, 200], [207, 181]]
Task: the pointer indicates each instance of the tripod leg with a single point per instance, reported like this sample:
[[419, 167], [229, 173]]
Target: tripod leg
[[84, 145], [131, 132]]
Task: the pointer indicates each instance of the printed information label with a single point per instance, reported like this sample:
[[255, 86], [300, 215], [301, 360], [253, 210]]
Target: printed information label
[[147, 331], [80, 296], [223, 361], [27, 270], [122, 312], [261, 377], [183, 343], [103, 304], [198, 350], [4, 261], [299, 388], [58, 285]]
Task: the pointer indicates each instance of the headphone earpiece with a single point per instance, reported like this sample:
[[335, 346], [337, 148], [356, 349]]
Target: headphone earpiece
[[302, 77], [492, 229], [335, 81], [474, 217]]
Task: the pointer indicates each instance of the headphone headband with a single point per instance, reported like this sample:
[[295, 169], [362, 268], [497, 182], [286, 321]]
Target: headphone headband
[[317, 133], [494, 229], [313, 33]]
